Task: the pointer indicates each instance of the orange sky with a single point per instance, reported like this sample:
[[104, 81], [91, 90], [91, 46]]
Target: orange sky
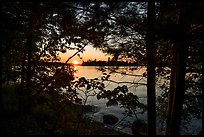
[[89, 53]]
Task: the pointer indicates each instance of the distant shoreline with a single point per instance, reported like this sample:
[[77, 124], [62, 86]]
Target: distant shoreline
[[109, 63], [92, 63]]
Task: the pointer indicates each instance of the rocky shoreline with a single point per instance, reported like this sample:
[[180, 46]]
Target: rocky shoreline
[[138, 127]]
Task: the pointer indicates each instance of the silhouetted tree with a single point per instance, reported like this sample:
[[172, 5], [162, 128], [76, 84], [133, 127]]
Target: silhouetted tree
[[155, 34], [151, 65], [175, 24], [180, 50]]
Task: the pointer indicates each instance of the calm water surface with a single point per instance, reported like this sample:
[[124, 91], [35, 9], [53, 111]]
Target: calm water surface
[[90, 72]]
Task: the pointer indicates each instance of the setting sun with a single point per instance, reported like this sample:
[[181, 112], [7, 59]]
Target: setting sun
[[75, 62]]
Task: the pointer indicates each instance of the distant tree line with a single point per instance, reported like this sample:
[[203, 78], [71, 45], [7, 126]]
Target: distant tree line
[[109, 63]]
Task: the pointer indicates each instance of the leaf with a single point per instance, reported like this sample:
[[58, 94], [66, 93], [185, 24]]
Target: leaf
[[95, 78], [78, 45], [104, 73], [98, 96], [111, 102], [69, 42], [63, 50], [88, 87]]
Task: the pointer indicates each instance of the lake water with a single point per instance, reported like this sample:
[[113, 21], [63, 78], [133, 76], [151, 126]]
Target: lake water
[[90, 72]]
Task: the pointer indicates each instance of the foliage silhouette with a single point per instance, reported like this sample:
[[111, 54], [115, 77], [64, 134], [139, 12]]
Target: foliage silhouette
[[36, 32]]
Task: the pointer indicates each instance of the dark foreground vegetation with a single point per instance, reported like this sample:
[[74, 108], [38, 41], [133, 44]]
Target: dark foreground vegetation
[[49, 117], [166, 37]]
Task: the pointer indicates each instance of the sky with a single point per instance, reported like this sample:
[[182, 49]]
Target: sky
[[89, 53]]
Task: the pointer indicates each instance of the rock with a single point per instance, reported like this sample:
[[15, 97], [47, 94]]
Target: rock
[[139, 127], [110, 119], [90, 108]]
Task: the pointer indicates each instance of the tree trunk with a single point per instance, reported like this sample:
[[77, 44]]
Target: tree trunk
[[178, 78], [171, 91], [151, 54], [29, 50], [179, 89], [23, 71]]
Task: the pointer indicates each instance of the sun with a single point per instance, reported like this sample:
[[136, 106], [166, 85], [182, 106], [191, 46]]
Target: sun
[[75, 62]]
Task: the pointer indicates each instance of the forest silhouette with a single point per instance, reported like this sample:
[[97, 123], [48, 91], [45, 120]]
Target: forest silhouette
[[40, 94]]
